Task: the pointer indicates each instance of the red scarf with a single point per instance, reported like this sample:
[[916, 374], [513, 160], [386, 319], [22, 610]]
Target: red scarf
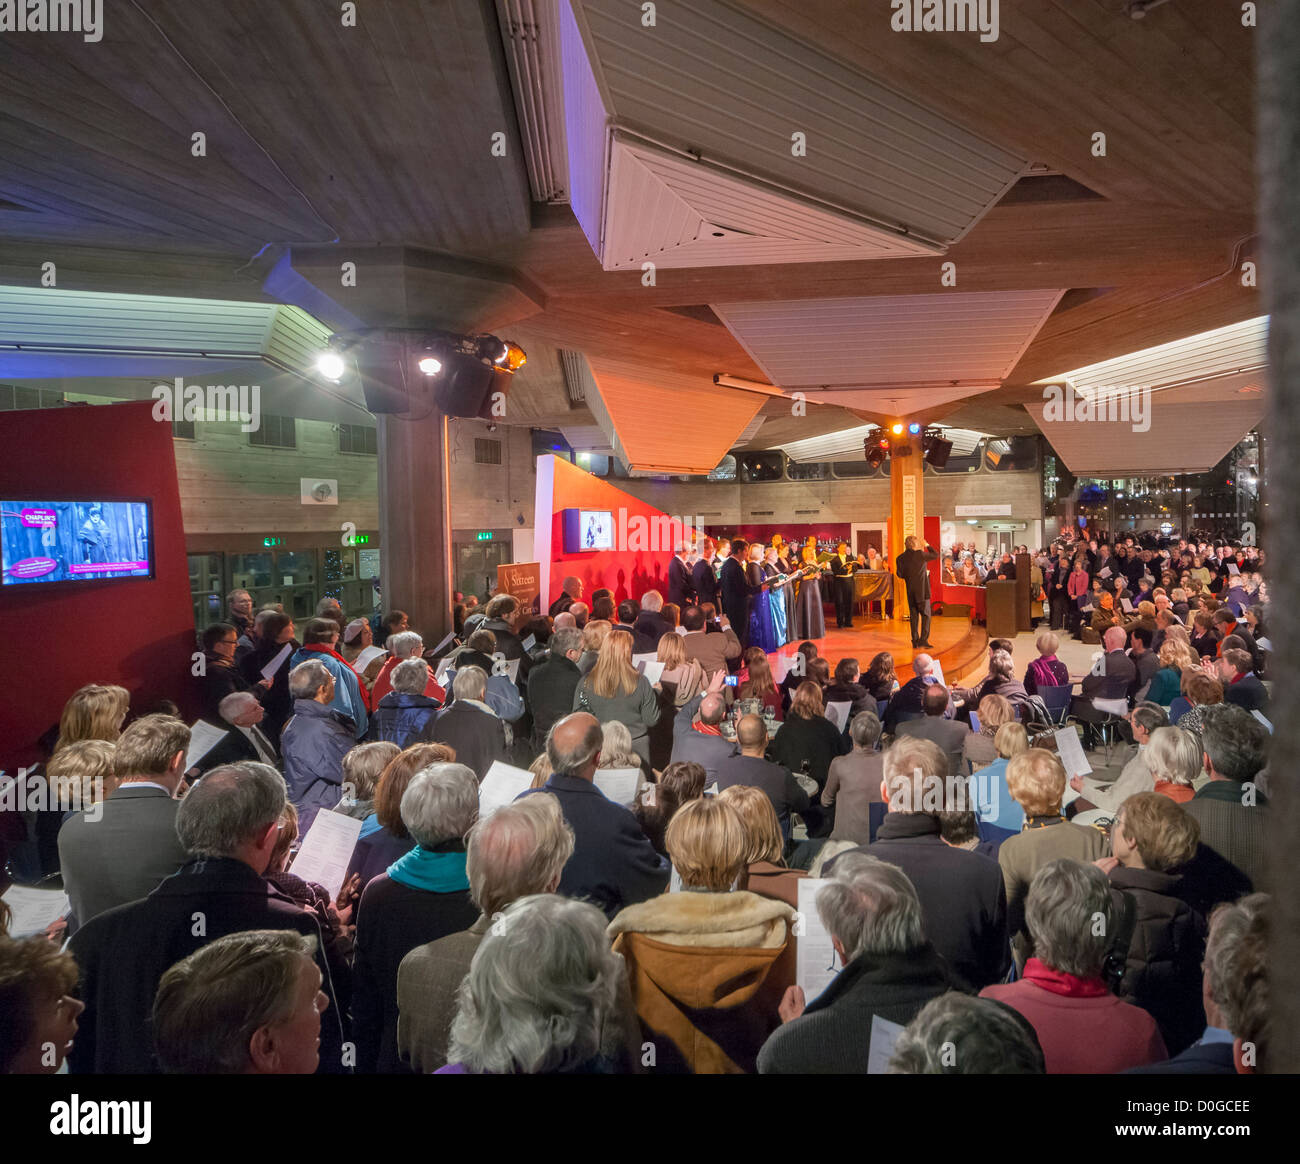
[[706, 729], [333, 654], [1059, 982]]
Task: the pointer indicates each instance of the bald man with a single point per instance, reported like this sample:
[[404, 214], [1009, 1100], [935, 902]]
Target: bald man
[[752, 767], [697, 731], [613, 864]]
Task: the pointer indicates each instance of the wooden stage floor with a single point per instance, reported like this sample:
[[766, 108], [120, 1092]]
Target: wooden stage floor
[[958, 643]]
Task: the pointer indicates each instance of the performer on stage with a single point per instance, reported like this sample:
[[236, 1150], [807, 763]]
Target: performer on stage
[[842, 581], [734, 590], [778, 595], [788, 563], [704, 574], [681, 589], [764, 601], [809, 621], [912, 569]]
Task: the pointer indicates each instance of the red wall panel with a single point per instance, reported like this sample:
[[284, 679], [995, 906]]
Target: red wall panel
[[138, 633]]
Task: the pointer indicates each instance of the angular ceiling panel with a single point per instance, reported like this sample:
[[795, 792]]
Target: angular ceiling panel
[[713, 138]]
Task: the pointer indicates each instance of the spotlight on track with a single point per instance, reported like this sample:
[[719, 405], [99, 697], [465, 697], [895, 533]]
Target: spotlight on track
[[430, 365], [331, 366], [897, 429], [914, 428]]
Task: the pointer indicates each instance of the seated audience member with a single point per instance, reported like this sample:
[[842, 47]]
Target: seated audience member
[[1202, 692], [613, 864], [1001, 680], [1114, 681], [544, 995], [853, 784], [961, 893], [1173, 757], [847, 688], [229, 823], [805, 654], [1135, 775], [959, 1035], [978, 748], [1240, 683], [1235, 993], [349, 698], [680, 782], [81, 775], [314, 742], [276, 633], [761, 687], [698, 738], [246, 1004], [807, 741], [244, 739], [384, 838], [1082, 1027], [906, 701], [674, 942], [993, 800], [1229, 807], [713, 650], [750, 768], [871, 911], [1152, 839], [38, 1006], [949, 734], [1036, 780], [1145, 662], [766, 872], [1047, 670], [1175, 656], [614, 689], [594, 635], [422, 897], [405, 715], [220, 675], [616, 749], [362, 767], [469, 725], [552, 682], [121, 849], [518, 851], [960, 826], [404, 645], [358, 636], [580, 612]]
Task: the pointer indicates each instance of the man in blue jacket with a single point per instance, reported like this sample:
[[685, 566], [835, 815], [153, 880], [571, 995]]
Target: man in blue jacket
[[613, 864]]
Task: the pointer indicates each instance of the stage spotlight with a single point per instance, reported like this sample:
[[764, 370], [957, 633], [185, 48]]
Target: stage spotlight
[[331, 366], [430, 365], [913, 428], [514, 357], [896, 429]]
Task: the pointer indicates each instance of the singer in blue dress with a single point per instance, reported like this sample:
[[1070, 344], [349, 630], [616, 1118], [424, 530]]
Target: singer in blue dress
[[763, 630]]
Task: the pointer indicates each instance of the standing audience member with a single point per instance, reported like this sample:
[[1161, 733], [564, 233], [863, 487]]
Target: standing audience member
[[469, 725], [362, 767], [405, 715], [384, 838], [679, 783], [314, 742], [616, 690], [854, 782], [958, 1035], [348, 698], [552, 683], [39, 1007]]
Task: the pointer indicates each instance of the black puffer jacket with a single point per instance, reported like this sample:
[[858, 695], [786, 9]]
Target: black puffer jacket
[[1163, 975]]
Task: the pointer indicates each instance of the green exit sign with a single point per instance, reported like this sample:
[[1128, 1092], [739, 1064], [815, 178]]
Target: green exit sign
[[273, 541], [359, 540], [483, 535]]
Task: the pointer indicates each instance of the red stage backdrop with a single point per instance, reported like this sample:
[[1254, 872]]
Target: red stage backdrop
[[643, 539], [138, 633]]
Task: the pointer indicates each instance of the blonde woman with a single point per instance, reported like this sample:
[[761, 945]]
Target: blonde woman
[[81, 774], [1176, 656], [593, 638], [988, 786], [766, 872], [683, 679], [616, 690], [95, 712], [979, 748]]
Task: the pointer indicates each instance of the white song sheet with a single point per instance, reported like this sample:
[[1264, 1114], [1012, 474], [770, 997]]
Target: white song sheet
[[500, 786], [618, 784], [327, 850], [273, 667], [203, 738], [816, 961], [33, 909]]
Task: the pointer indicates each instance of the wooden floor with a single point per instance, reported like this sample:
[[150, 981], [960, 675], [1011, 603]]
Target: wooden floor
[[958, 643]]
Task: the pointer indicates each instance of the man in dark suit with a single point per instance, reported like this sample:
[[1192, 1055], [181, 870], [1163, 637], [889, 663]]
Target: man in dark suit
[[230, 823], [963, 898], [120, 849], [949, 734], [644, 641], [241, 715], [750, 767], [571, 593], [703, 743], [1240, 684], [1114, 679], [650, 625], [703, 580], [681, 587], [551, 684], [908, 702], [735, 590], [613, 865], [842, 566], [912, 567]]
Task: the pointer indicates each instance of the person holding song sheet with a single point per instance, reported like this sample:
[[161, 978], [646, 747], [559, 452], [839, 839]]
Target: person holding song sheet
[[766, 605]]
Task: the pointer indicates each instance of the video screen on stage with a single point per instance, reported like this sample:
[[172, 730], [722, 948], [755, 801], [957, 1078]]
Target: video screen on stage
[[587, 530], [75, 541]]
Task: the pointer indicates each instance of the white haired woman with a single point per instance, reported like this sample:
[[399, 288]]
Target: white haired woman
[[1081, 1026], [423, 896], [1176, 762], [541, 994]]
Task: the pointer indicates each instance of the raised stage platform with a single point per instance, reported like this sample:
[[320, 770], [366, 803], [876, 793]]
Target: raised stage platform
[[960, 645]]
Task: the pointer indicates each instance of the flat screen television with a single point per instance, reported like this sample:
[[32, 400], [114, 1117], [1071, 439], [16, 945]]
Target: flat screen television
[[91, 540], [588, 530]]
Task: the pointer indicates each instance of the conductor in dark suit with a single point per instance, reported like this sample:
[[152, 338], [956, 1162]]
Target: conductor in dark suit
[[842, 567], [911, 567], [735, 590], [681, 588]]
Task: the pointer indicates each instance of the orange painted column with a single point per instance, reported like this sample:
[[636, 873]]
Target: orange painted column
[[906, 505]]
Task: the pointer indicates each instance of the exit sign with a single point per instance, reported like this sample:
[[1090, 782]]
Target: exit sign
[[273, 541], [483, 535], [359, 540]]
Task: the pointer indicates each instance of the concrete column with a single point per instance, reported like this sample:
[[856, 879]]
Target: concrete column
[[906, 508]]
